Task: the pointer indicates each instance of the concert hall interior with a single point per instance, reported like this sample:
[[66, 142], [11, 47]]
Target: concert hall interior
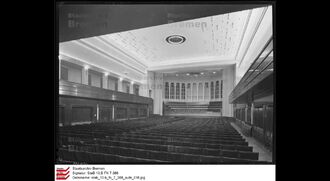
[[165, 84]]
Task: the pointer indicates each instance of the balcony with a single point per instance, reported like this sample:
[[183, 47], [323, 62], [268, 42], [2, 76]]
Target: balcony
[[260, 69], [72, 89]]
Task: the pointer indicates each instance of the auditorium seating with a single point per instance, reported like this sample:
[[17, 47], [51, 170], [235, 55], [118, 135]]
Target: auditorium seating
[[192, 107], [155, 140], [215, 106]]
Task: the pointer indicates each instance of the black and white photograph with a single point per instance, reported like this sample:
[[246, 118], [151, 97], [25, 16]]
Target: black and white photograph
[[165, 84]]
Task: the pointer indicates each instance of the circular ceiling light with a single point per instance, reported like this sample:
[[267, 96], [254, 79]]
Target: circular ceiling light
[[175, 39]]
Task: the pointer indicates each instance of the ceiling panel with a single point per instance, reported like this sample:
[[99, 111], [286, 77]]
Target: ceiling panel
[[76, 21], [210, 43], [204, 37]]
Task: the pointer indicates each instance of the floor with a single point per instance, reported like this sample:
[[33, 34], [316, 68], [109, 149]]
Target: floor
[[264, 154]]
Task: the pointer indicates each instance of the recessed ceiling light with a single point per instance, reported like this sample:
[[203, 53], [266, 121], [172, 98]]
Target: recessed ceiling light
[[187, 74], [213, 72], [202, 73], [175, 39], [176, 74]]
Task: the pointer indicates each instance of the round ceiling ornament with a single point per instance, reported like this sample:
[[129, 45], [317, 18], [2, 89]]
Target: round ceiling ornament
[[175, 39]]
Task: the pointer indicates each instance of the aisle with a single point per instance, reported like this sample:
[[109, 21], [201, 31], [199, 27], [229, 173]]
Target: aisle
[[264, 154]]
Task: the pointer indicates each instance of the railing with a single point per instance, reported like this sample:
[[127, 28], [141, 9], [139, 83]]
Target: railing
[[261, 68], [67, 88], [192, 100], [192, 107]]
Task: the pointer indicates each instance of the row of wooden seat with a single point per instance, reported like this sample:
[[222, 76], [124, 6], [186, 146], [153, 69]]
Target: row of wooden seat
[[162, 135], [170, 142], [188, 135], [169, 139], [168, 148], [143, 154], [185, 141], [188, 139], [121, 126], [201, 123], [98, 158], [153, 133], [193, 127]]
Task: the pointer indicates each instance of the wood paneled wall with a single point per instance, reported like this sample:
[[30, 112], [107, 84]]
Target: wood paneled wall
[[86, 104], [74, 110]]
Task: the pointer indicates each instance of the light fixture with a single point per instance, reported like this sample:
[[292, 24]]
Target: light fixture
[[86, 67], [120, 79], [176, 74], [106, 74], [175, 39], [202, 73], [213, 72], [187, 74], [132, 82]]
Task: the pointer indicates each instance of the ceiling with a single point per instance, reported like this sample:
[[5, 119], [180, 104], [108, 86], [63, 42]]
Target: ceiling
[[211, 43], [215, 36], [77, 21]]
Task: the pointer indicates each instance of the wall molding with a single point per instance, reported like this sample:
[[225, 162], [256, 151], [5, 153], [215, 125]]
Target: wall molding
[[244, 32], [81, 62], [108, 43], [101, 52], [253, 35]]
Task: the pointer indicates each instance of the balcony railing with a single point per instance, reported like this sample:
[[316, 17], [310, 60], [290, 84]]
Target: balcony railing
[[67, 88], [261, 68]]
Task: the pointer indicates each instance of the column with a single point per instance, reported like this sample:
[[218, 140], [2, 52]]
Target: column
[[228, 76], [180, 91], [186, 91], [59, 68], [131, 91], [174, 91], [105, 81], [197, 85], [97, 112], [214, 85], [113, 112], [158, 93], [169, 90], [84, 74], [191, 86], [246, 111], [203, 91], [120, 85], [210, 91], [252, 108]]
